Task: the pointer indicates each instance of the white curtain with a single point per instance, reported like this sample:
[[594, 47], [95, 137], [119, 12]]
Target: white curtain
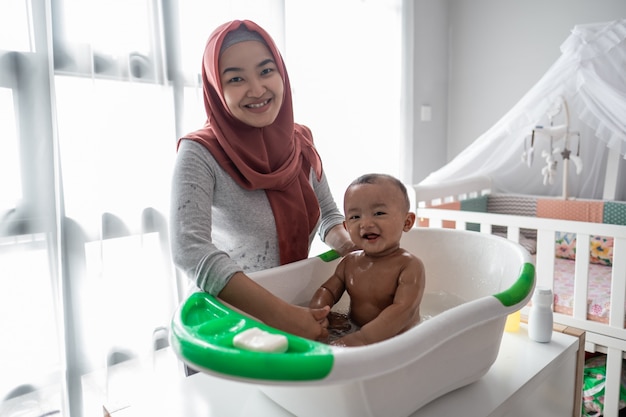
[[590, 77]]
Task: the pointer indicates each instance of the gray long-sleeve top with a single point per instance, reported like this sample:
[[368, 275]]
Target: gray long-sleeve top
[[219, 228]]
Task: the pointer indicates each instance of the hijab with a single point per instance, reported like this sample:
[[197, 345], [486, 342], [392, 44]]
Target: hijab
[[277, 158]]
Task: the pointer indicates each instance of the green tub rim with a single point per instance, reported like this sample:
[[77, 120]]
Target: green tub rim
[[203, 329], [520, 290]]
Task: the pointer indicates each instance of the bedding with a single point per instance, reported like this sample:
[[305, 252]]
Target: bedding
[[598, 289], [600, 248], [518, 205], [577, 210]]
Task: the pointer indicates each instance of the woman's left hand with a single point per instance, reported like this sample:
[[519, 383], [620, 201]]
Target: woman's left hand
[[339, 239]]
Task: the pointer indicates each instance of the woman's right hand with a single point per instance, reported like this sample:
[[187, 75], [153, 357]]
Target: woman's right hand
[[321, 315], [310, 323], [248, 296]]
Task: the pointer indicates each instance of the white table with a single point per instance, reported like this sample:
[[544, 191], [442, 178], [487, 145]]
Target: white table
[[527, 378]]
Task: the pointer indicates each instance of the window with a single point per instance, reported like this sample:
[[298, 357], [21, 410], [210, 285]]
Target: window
[[33, 362], [10, 190], [15, 25], [346, 80], [87, 144], [28, 304]]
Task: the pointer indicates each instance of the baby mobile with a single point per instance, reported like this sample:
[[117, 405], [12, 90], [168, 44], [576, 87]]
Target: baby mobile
[[556, 133]]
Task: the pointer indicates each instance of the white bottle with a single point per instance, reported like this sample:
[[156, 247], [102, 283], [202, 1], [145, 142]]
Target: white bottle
[[540, 317]]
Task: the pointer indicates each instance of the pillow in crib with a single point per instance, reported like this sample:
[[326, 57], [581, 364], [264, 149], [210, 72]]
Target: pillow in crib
[[600, 248], [566, 245]]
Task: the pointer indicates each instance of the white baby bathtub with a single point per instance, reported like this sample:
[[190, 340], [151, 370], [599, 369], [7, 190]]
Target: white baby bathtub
[[492, 277]]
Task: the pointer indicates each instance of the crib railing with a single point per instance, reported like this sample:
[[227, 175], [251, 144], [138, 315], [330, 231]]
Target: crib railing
[[606, 338], [431, 195]]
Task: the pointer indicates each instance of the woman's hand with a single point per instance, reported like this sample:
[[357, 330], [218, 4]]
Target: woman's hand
[[322, 315], [339, 239], [310, 323], [248, 296]]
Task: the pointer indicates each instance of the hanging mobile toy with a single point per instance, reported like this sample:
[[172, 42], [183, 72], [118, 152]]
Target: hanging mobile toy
[[576, 158], [556, 133], [528, 154], [549, 171]]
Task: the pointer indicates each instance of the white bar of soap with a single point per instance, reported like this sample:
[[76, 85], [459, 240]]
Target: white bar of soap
[[258, 340]]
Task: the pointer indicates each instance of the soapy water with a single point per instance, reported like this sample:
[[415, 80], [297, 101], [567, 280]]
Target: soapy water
[[432, 304], [339, 325]]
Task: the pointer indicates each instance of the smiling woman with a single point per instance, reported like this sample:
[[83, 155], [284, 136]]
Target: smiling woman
[[248, 189], [335, 81]]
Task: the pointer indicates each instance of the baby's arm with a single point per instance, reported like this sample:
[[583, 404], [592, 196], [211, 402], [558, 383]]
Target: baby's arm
[[398, 316], [331, 291]]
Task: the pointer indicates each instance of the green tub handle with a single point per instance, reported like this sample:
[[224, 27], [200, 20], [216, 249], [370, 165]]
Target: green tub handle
[[328, 256], [203, 329], [520, 289]]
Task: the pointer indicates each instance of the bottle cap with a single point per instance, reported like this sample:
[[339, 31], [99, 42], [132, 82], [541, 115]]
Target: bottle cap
[[543, 296]]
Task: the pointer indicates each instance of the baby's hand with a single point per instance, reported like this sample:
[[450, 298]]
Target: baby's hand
[[321, 316]]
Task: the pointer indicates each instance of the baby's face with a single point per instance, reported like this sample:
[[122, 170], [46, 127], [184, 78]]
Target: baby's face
[[376, 216]]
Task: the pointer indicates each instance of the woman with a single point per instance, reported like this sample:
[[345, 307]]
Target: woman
[[249, 191]]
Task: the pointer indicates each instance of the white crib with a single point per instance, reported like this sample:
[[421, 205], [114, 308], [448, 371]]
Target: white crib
[[608, 337]]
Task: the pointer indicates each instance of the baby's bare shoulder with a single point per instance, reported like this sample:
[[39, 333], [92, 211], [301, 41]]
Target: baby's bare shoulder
[[352, 257], [408, 256], [349, 261], [411, 263]]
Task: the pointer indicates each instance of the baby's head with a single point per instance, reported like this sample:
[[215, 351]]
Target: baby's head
[[376, 208], [402, 197]]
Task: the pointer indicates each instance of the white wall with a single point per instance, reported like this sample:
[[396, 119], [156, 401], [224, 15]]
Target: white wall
[[428, 41], [496, 51]]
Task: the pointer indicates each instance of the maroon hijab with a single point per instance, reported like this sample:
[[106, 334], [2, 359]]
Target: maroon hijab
[[277, 158]]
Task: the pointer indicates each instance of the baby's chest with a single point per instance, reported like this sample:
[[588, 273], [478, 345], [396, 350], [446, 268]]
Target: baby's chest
[[372, 282]]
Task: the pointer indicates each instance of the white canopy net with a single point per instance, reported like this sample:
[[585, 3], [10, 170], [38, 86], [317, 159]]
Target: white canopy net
[[579, 106]]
